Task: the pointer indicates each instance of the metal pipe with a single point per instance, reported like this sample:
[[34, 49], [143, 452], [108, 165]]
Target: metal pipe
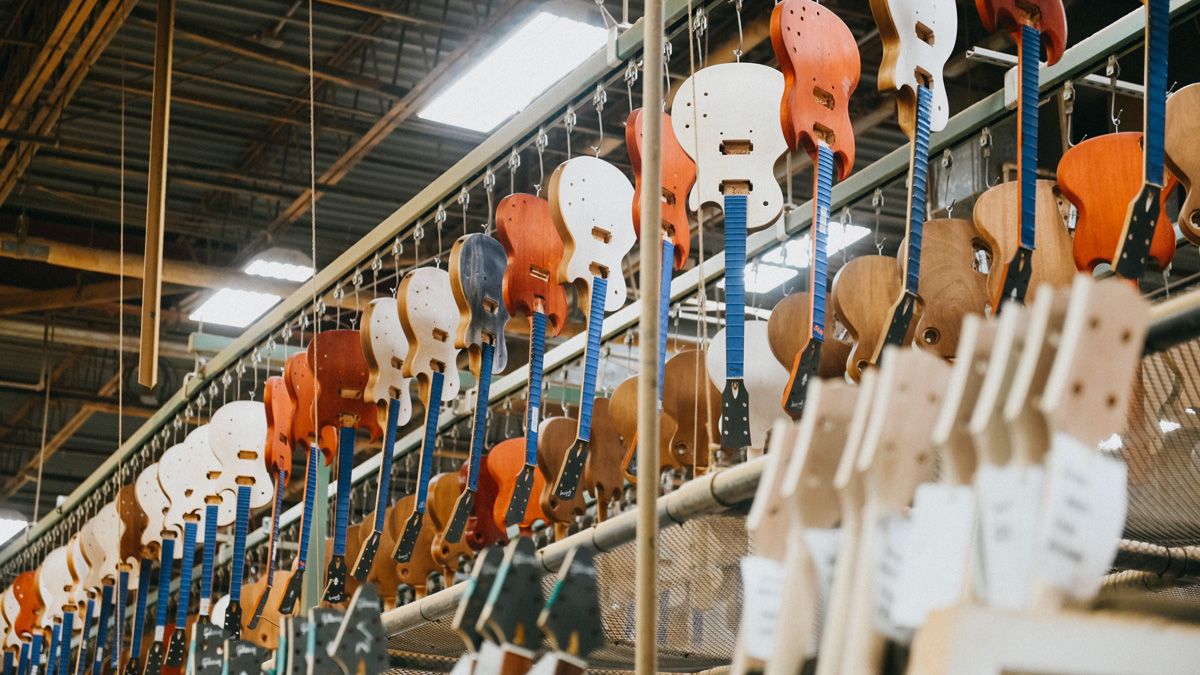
[[651, 252]]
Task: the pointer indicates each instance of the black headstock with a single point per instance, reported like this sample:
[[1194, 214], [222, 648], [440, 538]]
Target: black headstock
[[511, 613], [487, 564], [571, 617], [243, 658], [360, 646]]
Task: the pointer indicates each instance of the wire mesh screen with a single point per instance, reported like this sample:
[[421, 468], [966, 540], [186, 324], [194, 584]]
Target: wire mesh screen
[[1162, 449], [699, 606]]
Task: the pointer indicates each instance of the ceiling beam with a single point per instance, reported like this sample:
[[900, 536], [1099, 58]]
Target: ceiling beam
[[24, 409], [100, 32], [85, 295], [83, 337], [393, 15], [278, 57], [107, 261], [396, 115]]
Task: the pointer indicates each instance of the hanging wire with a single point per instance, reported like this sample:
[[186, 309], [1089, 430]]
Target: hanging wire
[[312, 195], [539, 143], [47, 338], [569, 121], [489, 186], [464, 200]]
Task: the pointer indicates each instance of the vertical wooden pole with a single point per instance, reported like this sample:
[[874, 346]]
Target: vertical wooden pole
[[156, 193], [646, 653]]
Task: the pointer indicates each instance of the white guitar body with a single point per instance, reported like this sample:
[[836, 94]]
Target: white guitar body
[[93, 550], [54, 582], [154, 504], [78, 565], [430, 318], [11, 607], [589, 202], [183, 475], [385, 348], [738, 104], [765, 379], [102, 545], [236, 437], [926, 31]]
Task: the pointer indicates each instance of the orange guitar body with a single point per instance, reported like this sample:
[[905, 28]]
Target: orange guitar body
[[678, 174], [1101, 176], [134, 521], [444, 490], [821, 66], [302, 388], [504, 463], [481, 529], [281, 412], [415, 572], [25, 589], [342, 372], [1048, 16], [555, 436], [526, 230]]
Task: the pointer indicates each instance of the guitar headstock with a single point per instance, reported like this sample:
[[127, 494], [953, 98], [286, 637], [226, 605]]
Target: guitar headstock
[[819, 58], [918, 38], [535, 250], [185, 473], [336, 358], [807, 486], [477, 266], [235, 434], [767, 522], [678, 178], [483, 574], [430, 320], [511, 612], [280, 409], [589, 200], [733, 135], [1048, 17], [571, 617], [764, 378], [962, 393], [154, 503], [555, 436]]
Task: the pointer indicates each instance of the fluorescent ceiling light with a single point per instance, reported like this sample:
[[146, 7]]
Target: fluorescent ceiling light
[[761, 278], [798, 252], [281, 263], [233, 307], [10, 527], [530, 60]]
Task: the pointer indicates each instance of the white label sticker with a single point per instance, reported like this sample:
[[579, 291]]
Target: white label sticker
[[762, 583], [489, 660], [1084, 518], [465, 665], [823, 548], [534, 411], [1010, 506], [893, 534], [935, 560]]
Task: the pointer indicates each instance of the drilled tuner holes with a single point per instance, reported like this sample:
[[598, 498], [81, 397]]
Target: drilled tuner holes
[[1077, 388], [1094, 322], [931, 336], [1110, 401], [1126, 336]]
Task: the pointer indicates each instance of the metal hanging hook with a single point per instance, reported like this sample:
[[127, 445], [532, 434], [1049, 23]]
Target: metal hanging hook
[[439, 221], [877, 204], [737, 53], [464, 200], [599, 98], [1113, 71], [489, 186], [540, 142], [569, 121]]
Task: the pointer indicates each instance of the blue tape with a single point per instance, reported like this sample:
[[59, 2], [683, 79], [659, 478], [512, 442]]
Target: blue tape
[[35, 651], [52, 655], [239, 543], [185, 572], [81, 662], [345, 468], [273, 549], [310, 500], [106, 608], [145, 572], [1030, 98], [23, 664], [591, 362], [385, 465], [119, 633], [664, 310], [64, 648], [537, 357], [920, 187], [735, 285], [479, 423], [433, 409], [819, 279], [210, 552], [164, 582], [1158, 33]]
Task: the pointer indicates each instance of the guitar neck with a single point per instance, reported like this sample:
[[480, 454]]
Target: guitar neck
[[106, 608], [537, 354], [310, 500], [276, 512], [1158, 29], [145, 573], [206, 572], [735, 284], [918, 174], [240, 525], [385, 465], [165, 564], [664, 309], [1028, 99], [487, 353], [818, 275], [185, 575], [345, 469], [591, 362], [433, 408]]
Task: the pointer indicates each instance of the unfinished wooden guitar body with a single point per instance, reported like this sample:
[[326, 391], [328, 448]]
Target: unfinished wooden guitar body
[[918, 38], [444, 489], [337, 360], [430, 320], [1183, 128], [996, 216], [154, 504], [477, 266], [694, 404], [185, 473], [280, 409], [555, 436], [1101, 176], [235, 435], [787, 341], [415, 572], [385, 348], [603, 471], [535, 250], [133, 521], [821, 66], [678, 177], [950, 285], [1048, 16], [862, 296], [623, 411]]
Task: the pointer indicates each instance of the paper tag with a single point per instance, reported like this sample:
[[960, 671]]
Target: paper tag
[[893, 532], [822, 546], [935, 559], [489, 659], [762, 594], [1010, 506], [1086, 500]]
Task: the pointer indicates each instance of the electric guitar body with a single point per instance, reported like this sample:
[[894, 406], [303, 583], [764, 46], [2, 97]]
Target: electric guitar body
[[997, 217], [765, 380], [444, 492], [555, 437], [787, 342], [724, 117], [534, 248], [1183, 125], [951, 287], [623, 410], [415, 571], [694, 403], [1101, 176], [604, 471], [504, 463], [678, 177], [864, 291], [1030, 23], [482, 530]]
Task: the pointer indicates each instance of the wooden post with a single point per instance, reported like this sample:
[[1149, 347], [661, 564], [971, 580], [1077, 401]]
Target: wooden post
[[156, 193]]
